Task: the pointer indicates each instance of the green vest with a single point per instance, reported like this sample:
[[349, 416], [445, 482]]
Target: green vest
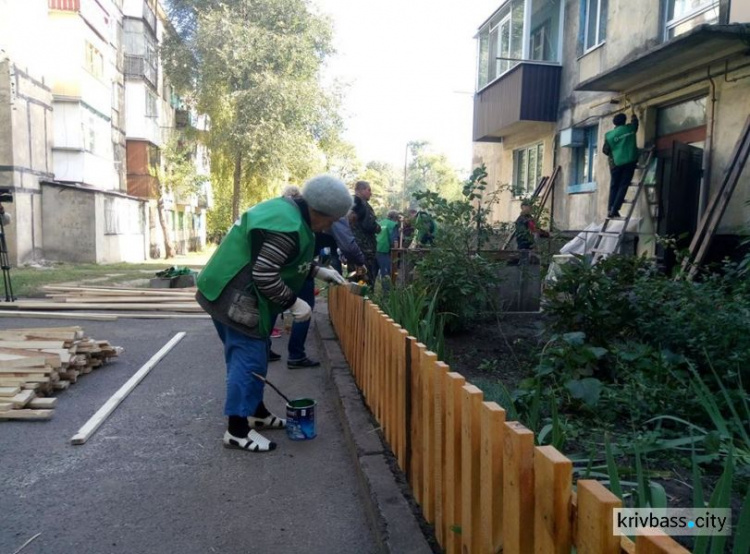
[[238, 249], [384, 236], [623, 145]]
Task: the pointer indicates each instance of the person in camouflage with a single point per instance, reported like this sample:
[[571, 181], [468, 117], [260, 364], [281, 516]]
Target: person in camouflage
[[365, 227]]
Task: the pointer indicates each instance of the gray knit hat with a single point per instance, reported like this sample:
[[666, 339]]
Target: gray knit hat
[[327, 195]]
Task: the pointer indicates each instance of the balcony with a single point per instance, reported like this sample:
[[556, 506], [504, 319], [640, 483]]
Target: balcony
[[139, 67], [694, 50], [525, 95]]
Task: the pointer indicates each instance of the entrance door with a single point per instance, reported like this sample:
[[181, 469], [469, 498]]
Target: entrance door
[[679, 197]]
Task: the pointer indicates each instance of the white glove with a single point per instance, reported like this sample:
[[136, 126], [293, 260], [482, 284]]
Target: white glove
[[300, 310], [330, 275]]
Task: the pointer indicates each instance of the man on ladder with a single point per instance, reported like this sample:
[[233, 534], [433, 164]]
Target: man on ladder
[[621, 148]]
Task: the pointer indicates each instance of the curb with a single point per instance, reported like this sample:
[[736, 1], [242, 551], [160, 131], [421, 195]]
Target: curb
[[392, 519]]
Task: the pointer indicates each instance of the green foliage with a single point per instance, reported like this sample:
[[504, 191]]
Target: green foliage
[[416, 312], [253, 67], [466, 280], [428, 171]]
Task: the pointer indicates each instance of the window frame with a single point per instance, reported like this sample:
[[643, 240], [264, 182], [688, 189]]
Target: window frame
[[590, 147], [530, 184], [599, 40], [670, 24]]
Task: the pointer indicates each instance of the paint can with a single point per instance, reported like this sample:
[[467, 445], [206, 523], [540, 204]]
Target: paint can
[[300, 419]]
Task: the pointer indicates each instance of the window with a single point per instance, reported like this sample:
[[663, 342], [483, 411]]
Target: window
[[151, 110], [681, 117], [584, 161], [527, 169], [508, 38], [684, 15], [94, 61], [594, 23]]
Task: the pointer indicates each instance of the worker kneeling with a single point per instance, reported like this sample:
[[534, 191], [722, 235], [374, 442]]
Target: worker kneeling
[[254, 275]]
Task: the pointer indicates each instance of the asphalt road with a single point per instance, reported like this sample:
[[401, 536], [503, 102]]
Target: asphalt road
[[155, 478]]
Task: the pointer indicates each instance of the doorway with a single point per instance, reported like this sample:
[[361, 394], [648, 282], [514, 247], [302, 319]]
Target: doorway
[[681, 135]]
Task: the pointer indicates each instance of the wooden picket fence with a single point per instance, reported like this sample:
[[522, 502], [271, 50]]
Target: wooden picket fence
[[478, 478]]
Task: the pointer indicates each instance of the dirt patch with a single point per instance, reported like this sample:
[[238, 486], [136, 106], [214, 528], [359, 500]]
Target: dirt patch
[[503, 351]]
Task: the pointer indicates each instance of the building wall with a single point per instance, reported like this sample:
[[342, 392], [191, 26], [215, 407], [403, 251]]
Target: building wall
[[25, 155], [739, 11], [86, 226]]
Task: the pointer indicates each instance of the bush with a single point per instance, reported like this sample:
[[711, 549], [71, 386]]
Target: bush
[[465, 280]]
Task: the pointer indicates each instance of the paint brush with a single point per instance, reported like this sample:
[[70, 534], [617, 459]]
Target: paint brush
[[270, 384]]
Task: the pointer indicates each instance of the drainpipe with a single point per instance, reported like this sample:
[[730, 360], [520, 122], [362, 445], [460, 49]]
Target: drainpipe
[[708, 152]]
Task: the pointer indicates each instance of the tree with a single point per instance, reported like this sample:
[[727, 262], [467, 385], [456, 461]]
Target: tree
[[430, 171], [253, 67], [176, 176]]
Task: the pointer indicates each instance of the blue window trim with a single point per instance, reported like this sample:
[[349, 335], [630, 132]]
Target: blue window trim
[[582, 187]]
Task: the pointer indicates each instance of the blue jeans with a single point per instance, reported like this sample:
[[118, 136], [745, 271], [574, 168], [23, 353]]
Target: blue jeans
[[298, 336], [243, 356]]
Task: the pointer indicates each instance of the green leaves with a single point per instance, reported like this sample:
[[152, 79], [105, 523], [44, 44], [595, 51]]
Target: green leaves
[[588, 390]]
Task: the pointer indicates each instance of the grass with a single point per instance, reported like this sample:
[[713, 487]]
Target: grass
[[28, 281]]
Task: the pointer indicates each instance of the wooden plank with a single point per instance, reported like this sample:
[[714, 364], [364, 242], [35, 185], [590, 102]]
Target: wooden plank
[[61, 385], [10, 391], [553, 474], [36, 305], [27, 344], [57, 315], [5, 406], [27, 359], [595, 533], [42, 403], [439, 439], [428, 435], [658, 544], [453, 513], [22, 398], [27, 414], [401, 391], [21, 371], [417, 352], [518, 488], [471, 528], [88, 429], [52, 359], [491, 476]]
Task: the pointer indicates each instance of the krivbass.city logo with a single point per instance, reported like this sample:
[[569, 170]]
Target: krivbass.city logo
[[672, 521]]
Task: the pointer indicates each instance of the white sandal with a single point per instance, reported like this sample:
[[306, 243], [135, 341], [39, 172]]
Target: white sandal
[[269, 422], [254, 442]]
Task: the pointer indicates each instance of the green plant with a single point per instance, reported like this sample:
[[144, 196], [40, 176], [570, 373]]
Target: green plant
[[411, 308], [466, 280]]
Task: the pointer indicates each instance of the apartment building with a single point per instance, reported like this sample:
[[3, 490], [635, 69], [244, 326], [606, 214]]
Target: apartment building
[[155, 116], [84, 114], [552, 74]]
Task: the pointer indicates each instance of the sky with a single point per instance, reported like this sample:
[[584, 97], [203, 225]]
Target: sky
[[410, 70]]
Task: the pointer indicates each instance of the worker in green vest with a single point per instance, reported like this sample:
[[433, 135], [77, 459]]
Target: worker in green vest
[[621, 148], [255, 274], [385, 239]]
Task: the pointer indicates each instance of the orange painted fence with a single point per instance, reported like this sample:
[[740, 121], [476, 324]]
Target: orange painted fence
[[479, 479]]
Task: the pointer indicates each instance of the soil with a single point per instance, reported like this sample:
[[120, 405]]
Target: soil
[[503, 350]]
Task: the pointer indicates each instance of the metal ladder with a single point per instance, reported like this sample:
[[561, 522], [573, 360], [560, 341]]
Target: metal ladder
[[599, 251]]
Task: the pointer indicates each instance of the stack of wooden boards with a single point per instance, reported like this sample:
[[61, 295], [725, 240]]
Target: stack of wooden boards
[[36, 362], [133, 302]]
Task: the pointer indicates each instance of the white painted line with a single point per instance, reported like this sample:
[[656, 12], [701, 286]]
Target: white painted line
[[103, 413]]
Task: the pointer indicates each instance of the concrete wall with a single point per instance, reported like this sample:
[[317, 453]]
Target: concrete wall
[[69, 223], [137, 125], [739, 11], [87, 226]]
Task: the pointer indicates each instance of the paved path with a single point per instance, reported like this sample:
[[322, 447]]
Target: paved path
[[155, 478]]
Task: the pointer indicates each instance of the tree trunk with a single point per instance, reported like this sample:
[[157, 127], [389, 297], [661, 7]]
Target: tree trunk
[[236, 190], [168, 246]]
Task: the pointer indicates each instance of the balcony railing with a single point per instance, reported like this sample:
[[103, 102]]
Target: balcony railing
[[138, 66]]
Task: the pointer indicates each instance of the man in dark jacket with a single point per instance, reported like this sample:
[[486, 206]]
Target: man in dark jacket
[[526, 228], [365, 228], [621, 147]]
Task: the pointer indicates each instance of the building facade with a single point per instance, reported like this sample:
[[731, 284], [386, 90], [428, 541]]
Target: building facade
[[553, 73], [84, 114]]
